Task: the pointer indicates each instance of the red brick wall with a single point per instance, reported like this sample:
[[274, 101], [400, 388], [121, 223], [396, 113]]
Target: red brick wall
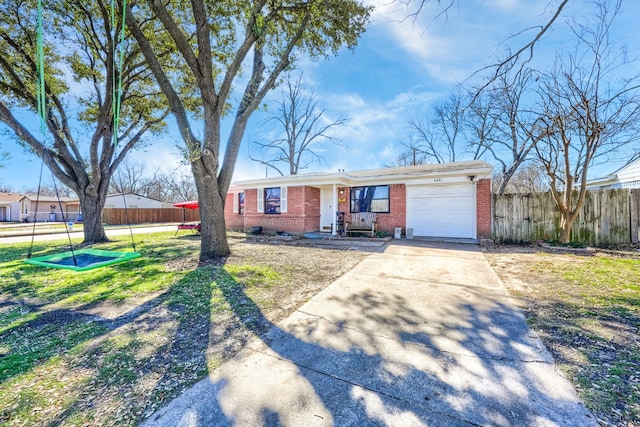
[[386, 221], [233, 221], [303, 211], [483, 209]]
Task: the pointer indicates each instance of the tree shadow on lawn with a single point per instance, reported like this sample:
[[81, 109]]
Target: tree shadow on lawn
[[373, 357], [117, 366]]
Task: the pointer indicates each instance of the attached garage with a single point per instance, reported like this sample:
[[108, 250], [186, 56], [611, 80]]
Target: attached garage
[[442, 211]]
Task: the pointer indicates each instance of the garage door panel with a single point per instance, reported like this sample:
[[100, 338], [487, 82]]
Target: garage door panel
[[443, 211]]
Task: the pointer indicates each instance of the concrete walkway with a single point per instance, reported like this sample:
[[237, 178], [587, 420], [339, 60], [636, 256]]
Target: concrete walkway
[[419, 334]]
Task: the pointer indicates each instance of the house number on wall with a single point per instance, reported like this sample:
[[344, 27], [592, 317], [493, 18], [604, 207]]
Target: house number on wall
[[437, 179]]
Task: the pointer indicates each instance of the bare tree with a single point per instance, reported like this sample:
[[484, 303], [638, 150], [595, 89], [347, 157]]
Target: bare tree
[[51, 188], [412, 154], [512, 60], [134, 177], [442, 136], [518, 60], [504, 123], [4, 156], [301, 128], [130, 177], [529, 178], [588, 110], [178, 187]]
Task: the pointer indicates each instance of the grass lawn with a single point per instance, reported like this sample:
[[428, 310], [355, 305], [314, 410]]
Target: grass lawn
[[110, 346], [586, 309]]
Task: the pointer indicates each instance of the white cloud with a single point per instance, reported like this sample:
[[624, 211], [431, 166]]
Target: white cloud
[[450, 46]]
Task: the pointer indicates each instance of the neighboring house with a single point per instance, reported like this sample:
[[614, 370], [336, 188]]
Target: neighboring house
[[436, 200], [134, 201], [627, 176], [44, 208], [10, 207]]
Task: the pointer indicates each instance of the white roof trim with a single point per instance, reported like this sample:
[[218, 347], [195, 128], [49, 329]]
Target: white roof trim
[[400, 175]]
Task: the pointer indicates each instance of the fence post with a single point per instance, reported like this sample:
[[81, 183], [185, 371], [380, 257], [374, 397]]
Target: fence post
[[634, 207]]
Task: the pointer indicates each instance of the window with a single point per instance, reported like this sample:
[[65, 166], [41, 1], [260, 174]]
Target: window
[[272, 200], [370, 199], [241, 203]]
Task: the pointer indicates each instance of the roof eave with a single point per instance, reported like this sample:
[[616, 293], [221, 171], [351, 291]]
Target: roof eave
[[347, 179]]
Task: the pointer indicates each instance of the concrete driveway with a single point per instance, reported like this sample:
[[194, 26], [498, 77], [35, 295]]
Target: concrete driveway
[[418, 334]]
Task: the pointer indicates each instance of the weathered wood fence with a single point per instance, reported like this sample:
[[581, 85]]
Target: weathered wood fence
[[116, 216], [607, 217]]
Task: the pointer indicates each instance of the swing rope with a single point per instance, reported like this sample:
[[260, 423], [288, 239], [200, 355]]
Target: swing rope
[[116, 84], [41, 105]]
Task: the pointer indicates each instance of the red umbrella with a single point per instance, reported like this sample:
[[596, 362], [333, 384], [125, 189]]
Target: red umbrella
[[192, 204]]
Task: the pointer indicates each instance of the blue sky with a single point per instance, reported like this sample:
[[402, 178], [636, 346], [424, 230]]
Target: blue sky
[[399, 68]]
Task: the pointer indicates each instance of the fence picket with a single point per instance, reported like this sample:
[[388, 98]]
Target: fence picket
[[607, 217], [117, 216]]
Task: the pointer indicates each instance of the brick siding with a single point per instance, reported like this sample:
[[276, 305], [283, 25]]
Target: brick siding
[[232, 220], [303, 211], [397, 216], [483, 209]]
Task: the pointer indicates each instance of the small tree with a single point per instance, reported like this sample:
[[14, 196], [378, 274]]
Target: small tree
[[588, 112], [301, 130]]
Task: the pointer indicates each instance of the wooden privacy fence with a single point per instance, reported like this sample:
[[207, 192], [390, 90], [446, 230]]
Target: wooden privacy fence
[[607, 217], [116, 216]]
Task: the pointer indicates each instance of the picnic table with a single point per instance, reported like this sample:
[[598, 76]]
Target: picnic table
[[194, 227]]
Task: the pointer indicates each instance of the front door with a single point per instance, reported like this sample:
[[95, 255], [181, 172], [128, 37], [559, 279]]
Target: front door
[[327, 212]]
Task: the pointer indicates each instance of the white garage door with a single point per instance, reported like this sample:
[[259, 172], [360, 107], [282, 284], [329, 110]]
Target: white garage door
[[442, 211]]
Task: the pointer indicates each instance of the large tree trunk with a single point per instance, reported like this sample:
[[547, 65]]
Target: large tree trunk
[[213, 243], [91, 205]]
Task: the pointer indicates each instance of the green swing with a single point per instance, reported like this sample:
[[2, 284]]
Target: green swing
[[83, 259]]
